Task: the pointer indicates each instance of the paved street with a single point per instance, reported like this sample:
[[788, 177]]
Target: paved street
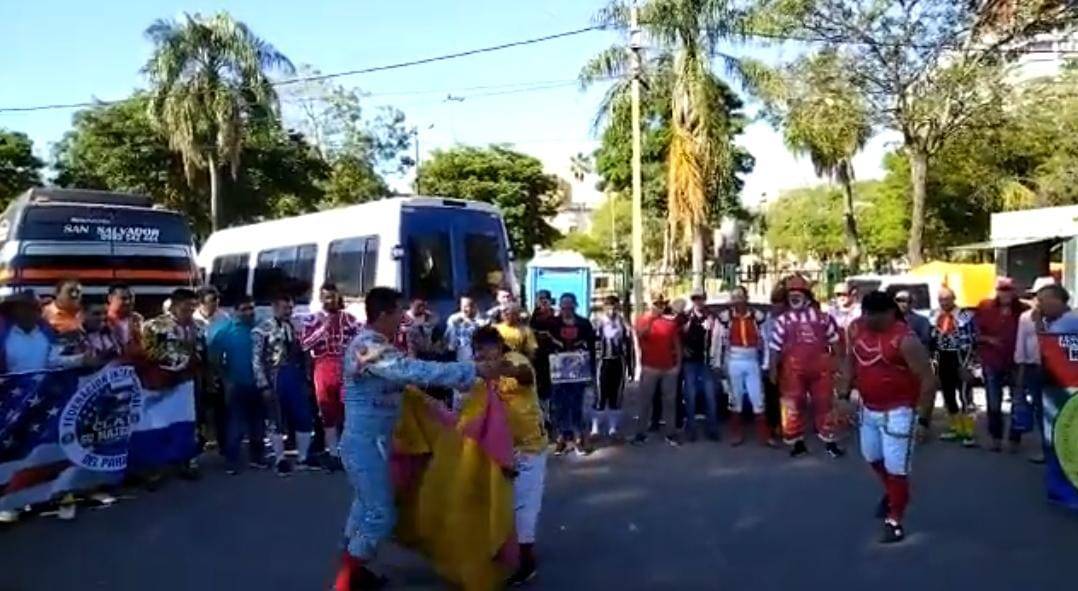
[[701, 517]]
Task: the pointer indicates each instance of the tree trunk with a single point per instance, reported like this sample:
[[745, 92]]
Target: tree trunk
[[215, 194], [698, 257], [918, 179], [853, 241]]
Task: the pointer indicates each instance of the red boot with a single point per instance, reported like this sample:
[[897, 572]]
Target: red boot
[[737, 432], [763, 432], [353, 575]]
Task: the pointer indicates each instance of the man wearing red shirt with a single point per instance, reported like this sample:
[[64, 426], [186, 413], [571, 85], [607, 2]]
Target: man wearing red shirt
[[326, 335], [804, 346], [891, 369], [997, 333], [659, 345]]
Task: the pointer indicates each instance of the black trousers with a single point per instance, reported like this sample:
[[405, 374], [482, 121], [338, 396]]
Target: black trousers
[[956, 393], [611, 384]]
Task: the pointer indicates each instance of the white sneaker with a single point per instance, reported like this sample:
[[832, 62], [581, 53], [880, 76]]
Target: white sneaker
[[104, 498], [9, 516], [66, 512]]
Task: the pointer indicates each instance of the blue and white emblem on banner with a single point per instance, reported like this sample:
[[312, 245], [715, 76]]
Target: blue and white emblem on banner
[[97, 421]]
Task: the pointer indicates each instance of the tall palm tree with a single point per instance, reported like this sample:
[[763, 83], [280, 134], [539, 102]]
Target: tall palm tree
[[207, 76], [688, 33], [823, 117], [580, 166]]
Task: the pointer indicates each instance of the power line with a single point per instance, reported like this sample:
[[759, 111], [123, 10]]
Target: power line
[[356, 72]]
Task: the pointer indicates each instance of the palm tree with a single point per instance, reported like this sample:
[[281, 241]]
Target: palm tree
[[700, 152], [208, 75], [580, 166], [823, 117]]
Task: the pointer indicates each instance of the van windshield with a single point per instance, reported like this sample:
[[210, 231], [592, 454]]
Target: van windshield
[[102, 224]]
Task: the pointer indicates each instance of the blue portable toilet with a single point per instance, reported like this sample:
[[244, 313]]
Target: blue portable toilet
[[560, 272]]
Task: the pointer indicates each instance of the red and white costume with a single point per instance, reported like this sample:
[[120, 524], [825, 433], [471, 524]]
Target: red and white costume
[[803, 341], [889, 390], [326, 336]]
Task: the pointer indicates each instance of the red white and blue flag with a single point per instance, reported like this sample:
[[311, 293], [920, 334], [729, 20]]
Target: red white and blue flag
[[1059, 358], [63, 431]]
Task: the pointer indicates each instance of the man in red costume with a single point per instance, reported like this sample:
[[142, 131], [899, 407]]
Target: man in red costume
[[804, 350], [326, 335], [891, 369]]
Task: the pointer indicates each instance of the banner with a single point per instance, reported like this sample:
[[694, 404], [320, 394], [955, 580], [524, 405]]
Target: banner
[[1059, 356], [63, 431], [166, 433]]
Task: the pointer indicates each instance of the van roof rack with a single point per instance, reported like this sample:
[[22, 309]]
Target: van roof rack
[[57, 195]]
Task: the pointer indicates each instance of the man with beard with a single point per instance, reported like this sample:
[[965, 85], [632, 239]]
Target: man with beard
[[804, 349], [325, 336], [893, 374]]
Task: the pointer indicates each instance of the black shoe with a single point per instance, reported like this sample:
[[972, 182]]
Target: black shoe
[[310, 464], [883, 508], [283, 467], [260, 464], [892, 532], [368, 580], [673, 441], [834, 450], [525, 574], [189, 471], [799, 449], [639, 439], [331, 463], [561, 448]]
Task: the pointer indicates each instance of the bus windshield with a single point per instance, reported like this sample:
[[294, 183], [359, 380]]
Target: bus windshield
[[102, 224]]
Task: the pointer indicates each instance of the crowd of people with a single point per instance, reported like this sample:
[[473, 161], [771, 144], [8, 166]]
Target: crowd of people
[[329, 387]]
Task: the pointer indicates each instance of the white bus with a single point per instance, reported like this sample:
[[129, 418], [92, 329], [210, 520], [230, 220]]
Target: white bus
[[438, 249]]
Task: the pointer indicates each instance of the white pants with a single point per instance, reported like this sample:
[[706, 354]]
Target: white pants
[[888, 436], [745, 378], [528, 494]]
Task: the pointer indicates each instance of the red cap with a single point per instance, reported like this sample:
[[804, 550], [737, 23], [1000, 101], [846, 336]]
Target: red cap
[[1004, 284]]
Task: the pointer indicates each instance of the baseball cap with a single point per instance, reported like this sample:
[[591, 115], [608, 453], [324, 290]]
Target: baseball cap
[[1042, 282], [902, 296], [698, 294]]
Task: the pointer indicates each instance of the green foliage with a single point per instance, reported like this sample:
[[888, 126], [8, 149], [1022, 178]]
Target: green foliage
[[19, 168], [116, 147], [512, 181], [208, 77], [808, 222]]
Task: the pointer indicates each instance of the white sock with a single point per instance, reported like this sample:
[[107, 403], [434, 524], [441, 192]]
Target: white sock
[[331, 441], [612, 418], [303, 445], [278, 446], [595, 423]]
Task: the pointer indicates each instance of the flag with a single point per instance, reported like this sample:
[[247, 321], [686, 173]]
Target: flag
[[166, 433], [62, 431], [1059, 358]]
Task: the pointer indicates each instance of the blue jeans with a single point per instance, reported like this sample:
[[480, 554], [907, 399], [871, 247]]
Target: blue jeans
[[290, 407], [365, 447], [568, 403], [696, 373], [994, 382], [246, 416], [1032, 394]]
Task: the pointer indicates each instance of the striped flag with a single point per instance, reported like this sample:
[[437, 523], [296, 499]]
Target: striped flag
[[1059, 357], [63, 431]]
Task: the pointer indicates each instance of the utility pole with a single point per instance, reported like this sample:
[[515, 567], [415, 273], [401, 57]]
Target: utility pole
[[418, 189], [635, 48]]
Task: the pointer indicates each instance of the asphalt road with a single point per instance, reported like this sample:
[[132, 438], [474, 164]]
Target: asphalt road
[[701, 517]]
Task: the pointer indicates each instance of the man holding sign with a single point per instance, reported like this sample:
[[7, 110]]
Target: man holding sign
[[1059, 360]]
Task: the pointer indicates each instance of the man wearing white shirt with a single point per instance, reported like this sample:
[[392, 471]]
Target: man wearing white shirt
[[28, 343]]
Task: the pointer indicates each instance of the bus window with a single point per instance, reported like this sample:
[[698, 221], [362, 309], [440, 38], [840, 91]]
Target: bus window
[[228, 275], [486, 270], [430, 266], [290, 269], [351, 264]]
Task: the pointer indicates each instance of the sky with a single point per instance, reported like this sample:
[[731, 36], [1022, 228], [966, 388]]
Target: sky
[[64, 51]]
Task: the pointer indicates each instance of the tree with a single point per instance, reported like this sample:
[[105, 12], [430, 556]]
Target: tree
[[581, 166], [822, 116], [513, 182], [117, 147], [700, 156], [19, 168], [929, 69], [208, 75], [807, 222]]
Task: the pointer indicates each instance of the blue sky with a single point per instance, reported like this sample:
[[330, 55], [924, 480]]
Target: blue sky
[[71, 51]]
